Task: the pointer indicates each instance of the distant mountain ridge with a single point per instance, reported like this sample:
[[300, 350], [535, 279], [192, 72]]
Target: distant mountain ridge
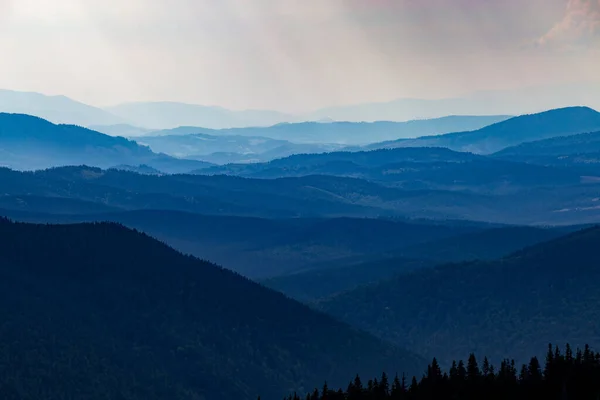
[[509, 102], [166, 115], [511, 132], [348, 133], [57, 109], [30, 143], [225, 149]]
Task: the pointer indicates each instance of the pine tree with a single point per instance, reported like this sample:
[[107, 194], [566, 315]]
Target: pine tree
[[535, 370], [486, 367], [473, 372], [384, 385]]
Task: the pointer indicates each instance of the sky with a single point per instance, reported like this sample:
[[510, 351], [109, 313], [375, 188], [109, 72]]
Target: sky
[[293, 55]]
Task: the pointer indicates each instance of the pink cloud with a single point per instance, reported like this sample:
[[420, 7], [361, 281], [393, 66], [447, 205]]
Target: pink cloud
[[580, 24]]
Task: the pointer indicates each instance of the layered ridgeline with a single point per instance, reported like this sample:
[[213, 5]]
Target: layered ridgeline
[[543, 195], [58, 109], [579, 152], [348, 133], [511, 308], [326, 279], [221, 148], [30, 143], [254, 247], [410, 168], [99, 311], [511, 132]]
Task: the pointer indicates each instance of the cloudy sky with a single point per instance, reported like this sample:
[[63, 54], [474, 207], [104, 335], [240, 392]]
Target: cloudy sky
[[293, 55]]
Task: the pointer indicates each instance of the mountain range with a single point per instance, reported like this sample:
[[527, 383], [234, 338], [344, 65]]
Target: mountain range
[[29, 143], [511, 132], [492, 102], [225, 149], [58, 109], [349, 133]]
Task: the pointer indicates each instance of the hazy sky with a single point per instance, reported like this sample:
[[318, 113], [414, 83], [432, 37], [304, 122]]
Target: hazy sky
[[293, 55]]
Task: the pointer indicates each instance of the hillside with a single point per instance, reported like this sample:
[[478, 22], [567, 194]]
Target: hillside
[[409, 168], [545, 199], [33, 143], [81, 321], [58, 109], [512, 132], [254, 247], [489, 244], [580, 152], [224, 149], [327, 279], [350, 133], [507, 308]]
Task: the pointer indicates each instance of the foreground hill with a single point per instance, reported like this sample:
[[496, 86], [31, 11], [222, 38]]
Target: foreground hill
[[29, 143], [350, 133], [99, 311], [507, 308], [511, 132]]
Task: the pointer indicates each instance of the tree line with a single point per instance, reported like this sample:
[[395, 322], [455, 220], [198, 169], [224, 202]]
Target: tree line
[[564, 375]]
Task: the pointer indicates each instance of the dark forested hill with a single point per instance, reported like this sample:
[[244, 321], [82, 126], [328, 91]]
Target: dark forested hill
[[326, 279], [98, 311], [254, 247], [30, 143], [511, 132], [508, 308], [489, 244]]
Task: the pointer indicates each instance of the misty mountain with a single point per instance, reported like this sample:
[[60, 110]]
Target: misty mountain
[[349, 133], [29, 143], [111, 322], [579, 152], [500, 102], [409, 168], [223, 149], [57, 109], [556, 146], [167, 115], [124, 130], [512, 307], [514, 131]]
